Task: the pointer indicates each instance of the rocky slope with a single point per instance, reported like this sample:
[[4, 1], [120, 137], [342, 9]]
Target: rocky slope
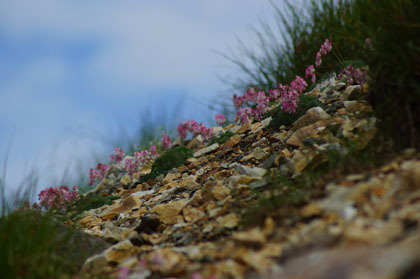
[[268, 203]]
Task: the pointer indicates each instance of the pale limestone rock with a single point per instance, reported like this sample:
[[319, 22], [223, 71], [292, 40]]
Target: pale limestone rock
[[168, 212], [311, 116], [250, 171], [228, 221], [206, 150]]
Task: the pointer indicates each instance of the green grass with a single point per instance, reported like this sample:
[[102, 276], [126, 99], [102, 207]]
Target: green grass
[[35, 245], [394, 64], [28, 240], [86, 202], [279, 117], [172, 158], [222, 138]]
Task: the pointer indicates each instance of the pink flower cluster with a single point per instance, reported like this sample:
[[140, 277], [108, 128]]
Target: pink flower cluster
[[195, 128], [117, 156], [259, 98], [58, 198], [140, 158], [249, 96], [98, 173], [288, 95], [352, 75], [310, 73], [326, 47], [369, 44], [220, 119], [166, 142]]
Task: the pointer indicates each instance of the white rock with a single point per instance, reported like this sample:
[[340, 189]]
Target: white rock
[[206, 150]]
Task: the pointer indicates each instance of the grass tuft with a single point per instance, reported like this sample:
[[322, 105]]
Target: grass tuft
[[222, 138], [34, 246], [172, 158], [279, 117], [393, 56]]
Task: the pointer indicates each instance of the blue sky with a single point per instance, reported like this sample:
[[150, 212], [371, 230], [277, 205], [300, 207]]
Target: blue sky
[[73, 72]]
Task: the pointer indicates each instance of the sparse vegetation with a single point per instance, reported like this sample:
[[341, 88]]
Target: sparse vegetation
[[222, 138], [172, 158], [283, 118], [385, 35], [30, 243], [88, 202], [284, 194]]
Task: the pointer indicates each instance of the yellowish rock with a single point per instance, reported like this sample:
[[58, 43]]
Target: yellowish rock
[[126, 180], [192, 214], [243, 128], [220, 192], [119, 251], [251, 237], [310, 210], [232, 141], [166, 261], [168, 212], [228, 221], [127, 204], [170, 177]]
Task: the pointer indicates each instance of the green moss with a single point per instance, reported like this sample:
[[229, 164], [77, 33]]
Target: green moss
[[172, 158], [283, 118], [88, 202], [222, 138]]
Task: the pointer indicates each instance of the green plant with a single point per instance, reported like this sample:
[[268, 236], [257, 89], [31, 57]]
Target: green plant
[[88, 202], [34, 245], [28, 241], [383, 34], [222, 138], [279, 117], [172, 158]]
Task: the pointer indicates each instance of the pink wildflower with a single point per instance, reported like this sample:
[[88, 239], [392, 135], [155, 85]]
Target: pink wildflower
[[123, 272], [182, 130], [318, 60], [274, 94], [129, 166], [237, 101], [250, 95], [290, 94], [166, 142], [220, 119], [310, 73], [58, 198], [158, 259], [117, 156], [369, 44], [195, 275], [298, 84], [352, 75], [153, 150], [263, 102], [326, 47], [98, 173], [243, 115], [195, 128]]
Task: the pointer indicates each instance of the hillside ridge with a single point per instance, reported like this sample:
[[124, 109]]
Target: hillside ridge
[[268, 202]]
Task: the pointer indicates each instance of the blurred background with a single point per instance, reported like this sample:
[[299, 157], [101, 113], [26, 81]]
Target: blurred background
[[80, 77]]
